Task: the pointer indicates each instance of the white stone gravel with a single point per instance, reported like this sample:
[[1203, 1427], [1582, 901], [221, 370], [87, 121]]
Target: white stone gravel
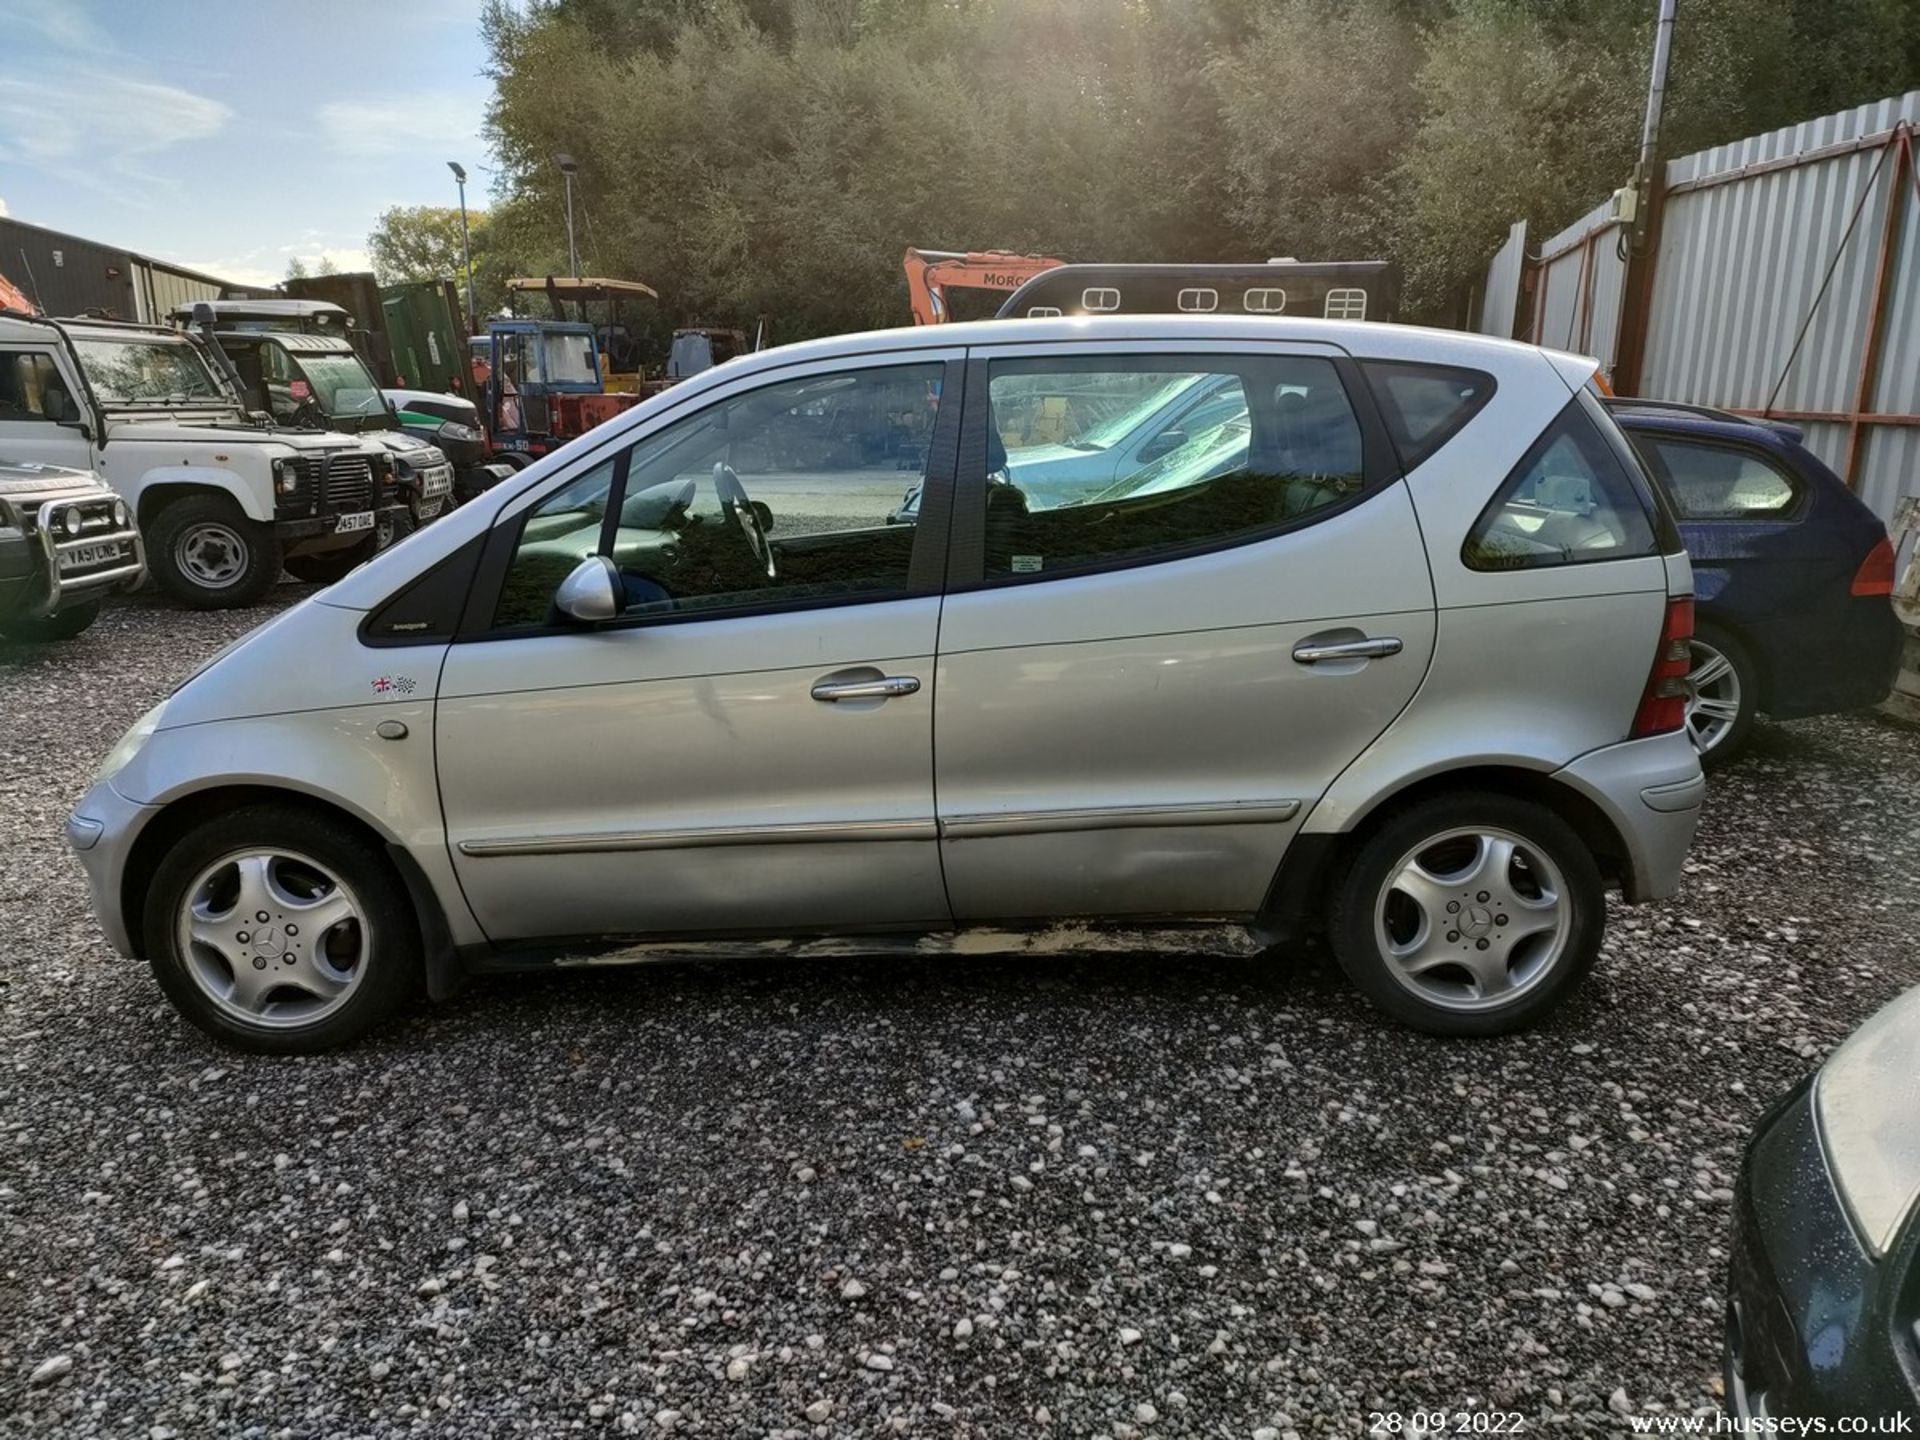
[[779, 1199]]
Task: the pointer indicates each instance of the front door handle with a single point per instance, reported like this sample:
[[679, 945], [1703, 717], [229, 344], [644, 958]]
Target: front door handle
[[885, 688], [1311, 652]]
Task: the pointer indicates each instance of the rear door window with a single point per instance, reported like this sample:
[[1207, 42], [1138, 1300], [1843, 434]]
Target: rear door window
[[1570, 501], [1424, 406], [1718, 482], [1267, 441]]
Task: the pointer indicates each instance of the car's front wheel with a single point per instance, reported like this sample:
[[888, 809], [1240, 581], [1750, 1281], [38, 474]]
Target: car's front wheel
[[1469, 914], [63, 624], [281, 930], [205, 552], [323, 567]]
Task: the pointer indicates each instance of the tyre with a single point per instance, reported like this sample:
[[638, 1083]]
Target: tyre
[[43, 629], [1469, 914], [327, 566], [515, 458], [205, 553], [1723, 693], [281, 930]]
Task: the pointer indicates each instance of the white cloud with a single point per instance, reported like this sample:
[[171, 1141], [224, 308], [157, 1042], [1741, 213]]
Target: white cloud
[[267, 266], [405, 122], [106, 138], [3, 207]]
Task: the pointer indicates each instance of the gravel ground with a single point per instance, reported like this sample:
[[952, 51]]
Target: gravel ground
[[1134, 1195]]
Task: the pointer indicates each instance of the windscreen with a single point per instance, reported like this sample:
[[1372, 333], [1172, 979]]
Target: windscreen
[[567, 359], [342, 385], [146, 371]]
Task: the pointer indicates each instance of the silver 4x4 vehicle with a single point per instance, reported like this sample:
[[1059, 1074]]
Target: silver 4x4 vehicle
[[224, 502], [1402, 656], [66, 543]]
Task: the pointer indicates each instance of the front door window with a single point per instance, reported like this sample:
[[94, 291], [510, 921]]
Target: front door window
[[778, 496]]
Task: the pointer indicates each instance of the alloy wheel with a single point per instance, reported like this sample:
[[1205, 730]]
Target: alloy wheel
[[273, 938], [1471, 919], [1713, 697]]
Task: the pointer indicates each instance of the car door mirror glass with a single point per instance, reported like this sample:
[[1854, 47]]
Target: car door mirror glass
[[1163, 444], [591, 592]]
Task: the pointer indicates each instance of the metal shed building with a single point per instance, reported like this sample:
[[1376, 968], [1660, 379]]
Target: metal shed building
[[68, 275]]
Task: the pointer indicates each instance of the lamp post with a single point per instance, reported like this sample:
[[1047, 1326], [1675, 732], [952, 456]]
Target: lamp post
[[466, 241], [567, 167]]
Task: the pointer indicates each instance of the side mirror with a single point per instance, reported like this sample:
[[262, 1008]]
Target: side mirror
[[1165, 443], [591, 593]]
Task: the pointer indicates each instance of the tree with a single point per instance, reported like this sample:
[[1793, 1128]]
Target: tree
[[423, 242]]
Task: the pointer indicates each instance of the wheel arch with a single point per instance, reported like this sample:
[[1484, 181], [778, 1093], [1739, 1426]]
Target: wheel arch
[[1719, 619], [1315, 860], [162, 486], [185, 812]]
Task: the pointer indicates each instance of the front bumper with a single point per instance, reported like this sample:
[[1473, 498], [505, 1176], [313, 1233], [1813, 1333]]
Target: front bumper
[[305, 530], [102, 830], [1651, 790], [1808, 1323]]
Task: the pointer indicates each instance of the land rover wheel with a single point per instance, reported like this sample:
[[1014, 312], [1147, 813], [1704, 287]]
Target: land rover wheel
[[1469, 914], [205, 553], [281, 930], [326, 566], [44, 629]]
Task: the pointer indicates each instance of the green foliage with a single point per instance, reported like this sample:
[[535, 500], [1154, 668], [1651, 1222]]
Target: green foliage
[[423, 242], [775, 156]]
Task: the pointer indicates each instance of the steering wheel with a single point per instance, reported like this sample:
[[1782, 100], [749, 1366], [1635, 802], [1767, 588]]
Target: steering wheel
[[739, 509]]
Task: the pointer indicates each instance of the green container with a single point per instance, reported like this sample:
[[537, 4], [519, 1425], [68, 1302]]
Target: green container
[[426, 336]]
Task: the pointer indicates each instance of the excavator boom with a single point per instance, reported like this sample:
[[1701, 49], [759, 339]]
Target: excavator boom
[[931, 272]]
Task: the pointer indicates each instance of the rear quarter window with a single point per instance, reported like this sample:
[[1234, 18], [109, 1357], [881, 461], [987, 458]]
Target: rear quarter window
[[1569, 501], [1424, 406], [1718, 482]]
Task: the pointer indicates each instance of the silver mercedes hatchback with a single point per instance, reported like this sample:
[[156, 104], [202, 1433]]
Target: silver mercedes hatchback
[[1392, 645]]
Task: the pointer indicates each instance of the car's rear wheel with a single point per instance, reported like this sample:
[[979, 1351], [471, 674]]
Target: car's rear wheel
[[1469, 914], [1722, 694], [280, 930]]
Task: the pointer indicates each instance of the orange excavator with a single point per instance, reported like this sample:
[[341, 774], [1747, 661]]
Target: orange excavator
[[930, 273], [12, 297]]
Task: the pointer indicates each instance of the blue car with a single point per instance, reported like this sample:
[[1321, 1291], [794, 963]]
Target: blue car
[[1792, 573]]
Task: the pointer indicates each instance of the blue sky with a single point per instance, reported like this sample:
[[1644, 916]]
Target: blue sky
[[235, 135]]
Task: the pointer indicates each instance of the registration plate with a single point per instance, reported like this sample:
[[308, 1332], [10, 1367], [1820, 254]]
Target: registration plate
[[87, 556], [427, 509], [359, 520]]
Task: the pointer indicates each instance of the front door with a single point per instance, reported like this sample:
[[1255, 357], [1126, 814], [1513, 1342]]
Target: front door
[[35, 397], [747, 745], [1145, 686]]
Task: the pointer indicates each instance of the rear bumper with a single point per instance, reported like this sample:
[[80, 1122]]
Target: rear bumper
[[1852, 667], [1651, 791]]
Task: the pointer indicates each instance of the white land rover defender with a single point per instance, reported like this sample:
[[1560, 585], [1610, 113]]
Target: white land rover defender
[[224, 499]]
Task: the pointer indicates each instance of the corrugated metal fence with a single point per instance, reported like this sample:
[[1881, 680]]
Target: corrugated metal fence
[[1786, 280]]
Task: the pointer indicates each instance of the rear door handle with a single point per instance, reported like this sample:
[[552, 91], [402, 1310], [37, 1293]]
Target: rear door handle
[[885, 688], [1313, 652]]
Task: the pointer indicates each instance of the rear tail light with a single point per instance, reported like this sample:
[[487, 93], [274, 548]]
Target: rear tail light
[[1875, 575], [1663, 706]]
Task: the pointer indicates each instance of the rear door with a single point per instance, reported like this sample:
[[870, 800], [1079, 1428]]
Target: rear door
[[1146, 685]]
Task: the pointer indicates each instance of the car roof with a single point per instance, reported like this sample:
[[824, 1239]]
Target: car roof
[[290, 340], [1362, 337], [1703, 421]]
